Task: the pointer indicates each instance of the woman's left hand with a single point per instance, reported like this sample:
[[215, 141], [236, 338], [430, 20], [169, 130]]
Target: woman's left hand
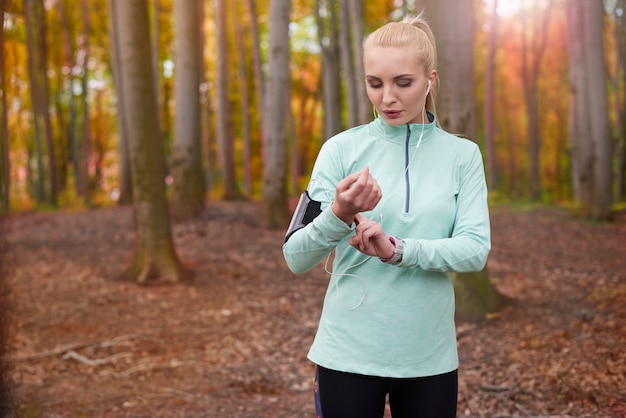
[[370, 238]]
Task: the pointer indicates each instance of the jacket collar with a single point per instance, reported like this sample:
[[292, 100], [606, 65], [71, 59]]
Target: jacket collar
[[398, 133]]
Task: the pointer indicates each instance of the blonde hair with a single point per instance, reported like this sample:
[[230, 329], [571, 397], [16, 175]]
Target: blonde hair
[[415, 34]]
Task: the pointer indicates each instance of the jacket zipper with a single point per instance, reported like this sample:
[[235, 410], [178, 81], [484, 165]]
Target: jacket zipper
[[407, 195]]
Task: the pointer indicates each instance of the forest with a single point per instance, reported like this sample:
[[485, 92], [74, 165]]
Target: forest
[[145, 141]]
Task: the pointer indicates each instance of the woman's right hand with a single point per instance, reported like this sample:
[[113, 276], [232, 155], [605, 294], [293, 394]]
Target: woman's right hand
[[358, 192]]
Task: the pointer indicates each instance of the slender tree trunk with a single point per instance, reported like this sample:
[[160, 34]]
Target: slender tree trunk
[[347, 70], [275, 211], [188, 192], [620, 99], [225, 138], [245, 107], [490, 126], [154, 255], [454, 34], [327, 30], [36, 28], [126, 185], [593, 13], [535, 31], [5, 177], [69, 62], [86, 136], [258, 73], [356, 25]]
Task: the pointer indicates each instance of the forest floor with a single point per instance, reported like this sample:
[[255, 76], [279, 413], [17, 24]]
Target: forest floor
[[232, 340]]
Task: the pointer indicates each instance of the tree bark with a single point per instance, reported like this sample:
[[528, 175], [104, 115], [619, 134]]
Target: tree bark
[[331, 98], [453, 25], [537, 35], [490, 126], [5, 164], [36, 28], [154, 256], [188, 191], [225, 140], [356, 26], [275, 211], [125, 192], [593, 13]]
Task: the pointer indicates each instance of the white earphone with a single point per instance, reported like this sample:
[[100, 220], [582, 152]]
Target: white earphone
[[428, 89]]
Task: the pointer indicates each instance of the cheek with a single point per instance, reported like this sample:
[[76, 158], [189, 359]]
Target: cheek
[[373, 95]]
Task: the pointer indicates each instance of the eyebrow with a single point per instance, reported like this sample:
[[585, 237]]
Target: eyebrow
[[398, 77]]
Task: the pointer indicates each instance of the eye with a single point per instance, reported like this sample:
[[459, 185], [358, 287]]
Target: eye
[[405, 83], [375, 85]]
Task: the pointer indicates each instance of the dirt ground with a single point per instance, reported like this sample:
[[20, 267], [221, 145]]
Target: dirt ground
[[232, 341]]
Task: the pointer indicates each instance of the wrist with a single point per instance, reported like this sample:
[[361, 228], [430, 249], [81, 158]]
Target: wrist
[[347, 218], [398, 251]]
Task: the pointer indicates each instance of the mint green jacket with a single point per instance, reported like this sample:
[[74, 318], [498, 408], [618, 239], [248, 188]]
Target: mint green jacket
[[396, 320]]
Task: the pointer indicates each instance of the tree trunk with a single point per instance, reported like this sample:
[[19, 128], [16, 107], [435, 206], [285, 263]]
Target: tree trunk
[[453, 26], [225, 140], [86, 136], [476, 295], [589, 123], [619, 107], [602, 200], [125, 195], [36, 28], [154, 255], [188, 192], [490, 131], [347, 71], [331, 99], [356, 26], [258, 73], [71, 129], [275, 211], [5, 178], [535, 31], [245, 106]]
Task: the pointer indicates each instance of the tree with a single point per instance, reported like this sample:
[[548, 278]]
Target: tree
[[225, 139], [535, 33], [453, 26], [34, 13], [619, 78], [188, 191], [588, 118], [475, 294], [5, 179], [275, 211], [331, 96], [490, 98], [154, 255], [125, 180]]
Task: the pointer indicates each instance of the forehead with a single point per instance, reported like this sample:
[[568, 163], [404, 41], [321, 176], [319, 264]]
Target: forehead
[[381, 61]]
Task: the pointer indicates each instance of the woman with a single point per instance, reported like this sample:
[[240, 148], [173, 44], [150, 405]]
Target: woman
[[403, 204]]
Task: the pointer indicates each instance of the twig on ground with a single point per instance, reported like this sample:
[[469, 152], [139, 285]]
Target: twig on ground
[[89, 362], [76, 346]]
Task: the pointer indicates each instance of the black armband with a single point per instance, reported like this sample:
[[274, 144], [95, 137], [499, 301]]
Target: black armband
[[307, 210]]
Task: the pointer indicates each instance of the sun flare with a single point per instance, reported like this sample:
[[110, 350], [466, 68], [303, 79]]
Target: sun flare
[[506, 8]]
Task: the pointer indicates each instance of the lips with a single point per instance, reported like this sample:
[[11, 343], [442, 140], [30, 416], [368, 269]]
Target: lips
[[392, 114]]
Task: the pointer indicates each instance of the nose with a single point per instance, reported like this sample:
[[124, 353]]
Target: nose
[[388, 95]]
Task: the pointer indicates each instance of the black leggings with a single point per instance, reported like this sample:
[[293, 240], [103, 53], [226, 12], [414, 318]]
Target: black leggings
[[346, 395]]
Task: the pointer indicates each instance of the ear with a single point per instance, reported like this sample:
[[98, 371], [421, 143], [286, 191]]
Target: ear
[[432, 78]]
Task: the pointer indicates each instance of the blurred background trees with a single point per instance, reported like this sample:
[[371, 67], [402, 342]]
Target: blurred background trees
[[545, 99]]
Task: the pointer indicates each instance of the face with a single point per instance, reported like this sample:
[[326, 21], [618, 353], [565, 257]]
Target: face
[[396, 84]]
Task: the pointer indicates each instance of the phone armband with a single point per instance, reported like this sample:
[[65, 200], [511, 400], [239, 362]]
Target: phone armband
[[307, 210]]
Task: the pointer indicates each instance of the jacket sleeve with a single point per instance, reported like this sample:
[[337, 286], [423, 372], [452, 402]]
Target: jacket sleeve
[[308, 246], [470, 242]]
